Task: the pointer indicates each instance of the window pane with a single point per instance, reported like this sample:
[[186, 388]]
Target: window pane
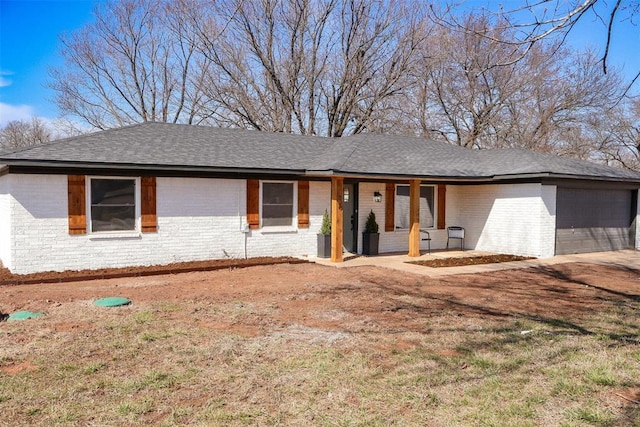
[[277, 193], [402, 207], [112, 218], [113, 204], [113, 192], [277, 203], [426, 207], [427, 215]]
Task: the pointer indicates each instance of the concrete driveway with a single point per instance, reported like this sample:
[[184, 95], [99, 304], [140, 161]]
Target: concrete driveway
[[627, 258]]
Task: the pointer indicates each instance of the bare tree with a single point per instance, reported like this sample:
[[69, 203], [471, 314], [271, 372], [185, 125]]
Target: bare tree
[[540, 20], [310, 67], [23, 133], [257, 60], [541, 101], [616, 135], [130, 65], [463, 88], [302, 66], [64, 127]]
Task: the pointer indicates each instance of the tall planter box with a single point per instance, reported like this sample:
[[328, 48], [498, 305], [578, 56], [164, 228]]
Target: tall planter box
[[370, 242], [324, 245], [370, 235]]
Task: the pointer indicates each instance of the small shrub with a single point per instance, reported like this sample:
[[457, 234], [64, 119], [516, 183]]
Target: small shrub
[[325, 228], [371, 225]]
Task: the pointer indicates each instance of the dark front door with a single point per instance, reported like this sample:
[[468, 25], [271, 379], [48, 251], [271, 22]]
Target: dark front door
[[350, 211]]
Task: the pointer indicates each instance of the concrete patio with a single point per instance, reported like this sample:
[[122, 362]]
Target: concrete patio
[[627, 258]]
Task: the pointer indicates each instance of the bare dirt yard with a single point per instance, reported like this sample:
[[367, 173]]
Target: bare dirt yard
[[306, 345]]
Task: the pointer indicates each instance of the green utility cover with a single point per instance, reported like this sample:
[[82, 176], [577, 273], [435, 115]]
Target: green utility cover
[[111, 302], [24, 315]]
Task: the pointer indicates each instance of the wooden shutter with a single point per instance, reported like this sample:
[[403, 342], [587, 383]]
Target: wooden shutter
[[253, 203], [148, 204], [442, 208], [389, 208], [77, 204], [303, 204]]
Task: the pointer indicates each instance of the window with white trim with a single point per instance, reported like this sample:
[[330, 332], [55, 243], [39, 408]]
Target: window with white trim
[[427, 207], [278, 203], [114, 204]]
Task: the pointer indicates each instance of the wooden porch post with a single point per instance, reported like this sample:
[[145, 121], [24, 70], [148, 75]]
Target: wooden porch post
[[414, 218], [337, 190]]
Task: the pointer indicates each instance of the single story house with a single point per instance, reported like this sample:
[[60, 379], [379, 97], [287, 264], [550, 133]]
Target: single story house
[[158, 193]]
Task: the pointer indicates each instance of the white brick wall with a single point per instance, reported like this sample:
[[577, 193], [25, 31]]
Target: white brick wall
[[507, 218], [202, 219], [5, 221], [547, 247], [197, 219]]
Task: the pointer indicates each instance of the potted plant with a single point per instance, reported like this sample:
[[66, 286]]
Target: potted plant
[[324, 237], [370, 236]]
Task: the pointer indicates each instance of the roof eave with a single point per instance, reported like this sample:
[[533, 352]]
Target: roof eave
[[145, 168], [48, 166], [469, 178], [558, 176]]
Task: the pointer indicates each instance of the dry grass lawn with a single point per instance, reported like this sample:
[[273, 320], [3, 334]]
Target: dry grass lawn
[[310, 345]]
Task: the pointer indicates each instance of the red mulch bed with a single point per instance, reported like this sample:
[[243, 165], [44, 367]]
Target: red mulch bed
[[472, 260], [8, 278]]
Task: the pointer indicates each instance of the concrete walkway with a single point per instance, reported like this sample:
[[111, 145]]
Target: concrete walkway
[[626, 258]]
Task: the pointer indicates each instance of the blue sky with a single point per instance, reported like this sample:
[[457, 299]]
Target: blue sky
[[29, 45], [590, 31]]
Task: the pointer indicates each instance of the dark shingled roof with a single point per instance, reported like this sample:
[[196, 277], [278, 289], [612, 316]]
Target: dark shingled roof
[[165, 146]]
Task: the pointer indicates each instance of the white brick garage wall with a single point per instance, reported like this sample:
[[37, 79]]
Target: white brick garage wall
[[197, 219], [507, 218]]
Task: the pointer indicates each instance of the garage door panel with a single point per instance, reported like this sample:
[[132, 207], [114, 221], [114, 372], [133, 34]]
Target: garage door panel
[[582, 208], [578, 240], [593, 220]]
